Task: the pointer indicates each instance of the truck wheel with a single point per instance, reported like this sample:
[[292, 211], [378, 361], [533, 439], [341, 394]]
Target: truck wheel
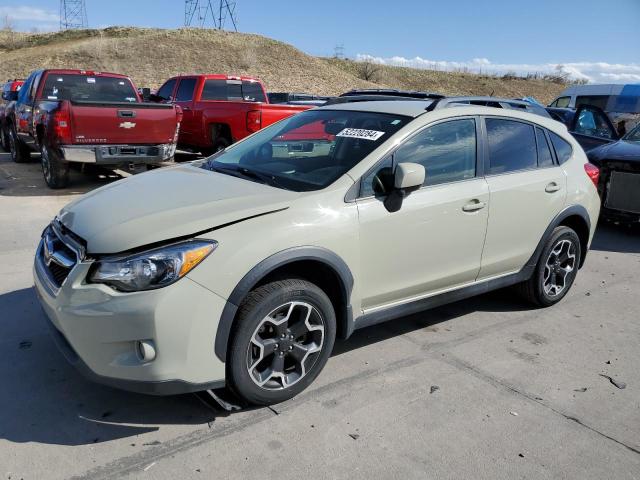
[[54, 168], [284, 335], [220, 143], [4, 139], [19, 152]]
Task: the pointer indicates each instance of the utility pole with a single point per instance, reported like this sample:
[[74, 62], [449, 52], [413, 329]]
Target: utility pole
[[73, 14], [204, 13]]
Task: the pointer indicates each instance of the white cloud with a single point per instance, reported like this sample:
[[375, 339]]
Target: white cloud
[[29, 14], [594, 72]]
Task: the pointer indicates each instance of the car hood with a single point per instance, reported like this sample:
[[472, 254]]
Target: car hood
[[620, 150], [167, 204]]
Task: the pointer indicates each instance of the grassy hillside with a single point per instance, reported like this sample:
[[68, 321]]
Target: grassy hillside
[[151, 55]]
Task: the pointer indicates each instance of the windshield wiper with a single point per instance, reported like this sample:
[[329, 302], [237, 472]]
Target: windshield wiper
[[260, 176], [244, 172]]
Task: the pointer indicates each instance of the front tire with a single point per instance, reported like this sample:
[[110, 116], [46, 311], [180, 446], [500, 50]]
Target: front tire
[[54, 168], [19, 151], [556, 269], [4, 138], [284, 336]]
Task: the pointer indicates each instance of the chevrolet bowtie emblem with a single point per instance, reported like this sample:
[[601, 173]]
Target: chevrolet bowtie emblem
[[127, 125]]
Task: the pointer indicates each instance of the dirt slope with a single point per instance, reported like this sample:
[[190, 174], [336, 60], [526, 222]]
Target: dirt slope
[[151, 55]]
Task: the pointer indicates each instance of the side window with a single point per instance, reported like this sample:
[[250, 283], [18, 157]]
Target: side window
[[562, 102], [23, 94], [379, 181], [512, 146], [545, 159], [166, 90], [34, 86], [592, 123], [185, 90], [562, 147], [447, 151], [599, 101]]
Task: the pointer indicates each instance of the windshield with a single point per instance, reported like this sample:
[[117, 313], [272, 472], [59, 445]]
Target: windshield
[[90, 88], [633, 135], [308, 151]]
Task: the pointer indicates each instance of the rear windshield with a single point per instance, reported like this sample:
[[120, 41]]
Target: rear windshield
[[308, 151], [88, 88], [233, 90]]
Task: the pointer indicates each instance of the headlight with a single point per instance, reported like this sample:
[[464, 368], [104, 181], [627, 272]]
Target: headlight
[[151, 269]]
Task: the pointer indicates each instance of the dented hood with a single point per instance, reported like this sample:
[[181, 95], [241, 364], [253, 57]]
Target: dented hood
[[166, 204]]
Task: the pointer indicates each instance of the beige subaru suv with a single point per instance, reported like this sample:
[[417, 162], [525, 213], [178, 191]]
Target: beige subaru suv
[[242, 269]]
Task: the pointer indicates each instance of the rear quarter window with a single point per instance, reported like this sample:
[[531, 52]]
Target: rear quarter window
[[562, 147]]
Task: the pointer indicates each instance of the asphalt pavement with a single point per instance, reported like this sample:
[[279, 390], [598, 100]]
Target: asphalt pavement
[[487, 388]]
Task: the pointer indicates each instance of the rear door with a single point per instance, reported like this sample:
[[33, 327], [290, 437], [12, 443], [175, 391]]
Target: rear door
[[591, 127], [190, 127], [527, 190]]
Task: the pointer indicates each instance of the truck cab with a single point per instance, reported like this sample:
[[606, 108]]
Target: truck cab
[[220, 109]]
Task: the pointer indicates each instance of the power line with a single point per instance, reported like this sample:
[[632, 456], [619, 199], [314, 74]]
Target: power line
[[208, 13], [73, 14]]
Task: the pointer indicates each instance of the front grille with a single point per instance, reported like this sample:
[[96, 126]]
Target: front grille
[[58, 272], [57, 254], [624, 192]]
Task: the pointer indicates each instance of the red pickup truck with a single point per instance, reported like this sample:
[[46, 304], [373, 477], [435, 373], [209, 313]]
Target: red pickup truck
[[9, 94], [220, 109], [88, 117]]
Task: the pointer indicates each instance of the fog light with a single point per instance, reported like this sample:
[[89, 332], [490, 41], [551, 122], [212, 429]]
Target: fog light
[[146, 350]]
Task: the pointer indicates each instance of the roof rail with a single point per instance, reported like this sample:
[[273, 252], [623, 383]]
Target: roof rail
[[495, 102], [392, 92]]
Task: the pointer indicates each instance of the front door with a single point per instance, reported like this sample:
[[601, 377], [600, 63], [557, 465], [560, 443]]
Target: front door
[[189, 127], [434, 241], [591, 127]]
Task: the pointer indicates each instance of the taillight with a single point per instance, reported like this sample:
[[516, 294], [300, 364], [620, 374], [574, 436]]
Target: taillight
[[62, 124], [593, 173], [254, 120]]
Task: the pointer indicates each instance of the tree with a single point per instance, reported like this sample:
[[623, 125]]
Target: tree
[[368, 71]]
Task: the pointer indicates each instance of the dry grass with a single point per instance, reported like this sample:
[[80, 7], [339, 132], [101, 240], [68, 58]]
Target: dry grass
[[150, 56]]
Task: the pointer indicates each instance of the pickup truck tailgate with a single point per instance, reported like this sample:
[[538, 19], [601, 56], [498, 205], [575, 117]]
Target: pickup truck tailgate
[[122, 123]]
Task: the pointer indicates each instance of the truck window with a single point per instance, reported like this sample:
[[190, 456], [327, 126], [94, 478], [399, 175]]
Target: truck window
[[252, 92], [599, 101], [88, 88], [185, 90], [233, 90], [166, 90]]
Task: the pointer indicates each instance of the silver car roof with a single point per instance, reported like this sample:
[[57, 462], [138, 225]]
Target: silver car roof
[[409, 108]]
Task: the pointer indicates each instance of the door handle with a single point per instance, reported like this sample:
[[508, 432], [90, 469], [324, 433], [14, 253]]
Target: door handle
[[474, 206], [552, 187], [186, 109]]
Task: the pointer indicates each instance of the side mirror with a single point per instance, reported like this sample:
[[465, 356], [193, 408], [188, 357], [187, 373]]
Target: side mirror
[[407, 178], [146, 94], [154, 98]]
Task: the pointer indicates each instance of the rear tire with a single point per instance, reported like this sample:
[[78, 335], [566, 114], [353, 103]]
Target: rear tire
[[556, 269], [284, 335], [20, 153], [54, 168]]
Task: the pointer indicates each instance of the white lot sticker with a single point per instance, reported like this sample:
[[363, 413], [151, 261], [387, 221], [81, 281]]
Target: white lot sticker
[[372, 135], [91, 80]]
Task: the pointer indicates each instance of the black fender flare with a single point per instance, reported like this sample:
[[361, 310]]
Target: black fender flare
[[573, 210], [268, 265]]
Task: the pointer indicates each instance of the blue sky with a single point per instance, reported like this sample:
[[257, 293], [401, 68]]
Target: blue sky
[[593, 38]]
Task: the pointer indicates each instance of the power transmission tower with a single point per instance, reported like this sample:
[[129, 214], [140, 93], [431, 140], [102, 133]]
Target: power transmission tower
[[203, 13], [73, 14], [338, 51]]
